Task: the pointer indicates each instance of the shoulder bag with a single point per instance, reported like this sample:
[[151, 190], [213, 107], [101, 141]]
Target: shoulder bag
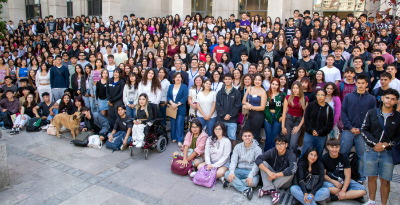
[[244, 110]]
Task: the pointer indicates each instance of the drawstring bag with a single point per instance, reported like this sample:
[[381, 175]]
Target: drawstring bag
[[205, 178]]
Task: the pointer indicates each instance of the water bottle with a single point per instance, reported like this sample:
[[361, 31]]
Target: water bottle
[[309, 197], [340, 180]]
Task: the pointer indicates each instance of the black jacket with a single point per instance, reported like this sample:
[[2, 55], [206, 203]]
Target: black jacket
[[74, 84], [372, 130], [235, 51], [114, 92], [315, 118], [256, 55], [311, 64], [317, 168], [40, 27], [287, 163], [228, 104]]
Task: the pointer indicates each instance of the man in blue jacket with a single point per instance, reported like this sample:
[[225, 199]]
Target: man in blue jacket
[[355, 107], [59, 79]]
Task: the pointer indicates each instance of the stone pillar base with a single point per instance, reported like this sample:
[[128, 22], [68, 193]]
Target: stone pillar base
[[4, 179]]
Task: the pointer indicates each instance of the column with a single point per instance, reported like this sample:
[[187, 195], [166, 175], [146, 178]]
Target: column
[[79, 7], [181, 7], [16, 9], [4, 178], [58, 8], [112, 8], [275, 9], [225, 8], [5, 16]]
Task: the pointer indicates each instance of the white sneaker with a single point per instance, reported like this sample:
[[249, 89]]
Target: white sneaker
[[192, 174], [45, 127], [179, 144], [135, 142], [139, 144], [370, 202]]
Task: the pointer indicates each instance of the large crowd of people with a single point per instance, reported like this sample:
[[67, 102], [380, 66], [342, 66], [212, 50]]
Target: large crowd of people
[[260, 100]]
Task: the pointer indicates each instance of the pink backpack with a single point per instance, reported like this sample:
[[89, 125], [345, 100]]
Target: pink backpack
[[205, 178]]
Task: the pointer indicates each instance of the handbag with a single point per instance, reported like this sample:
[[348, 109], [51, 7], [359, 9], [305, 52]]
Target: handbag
[[81, 139], [244, 110], [395, 146], [310, 181], [180, 169], [94, 141], [205, 178], [52, 130]]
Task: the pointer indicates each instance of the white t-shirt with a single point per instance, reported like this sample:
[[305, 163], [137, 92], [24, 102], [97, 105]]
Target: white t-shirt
[[110, 69], [331, 74], [206, 103], [394, 84], [124, 48], [216, 86], [120, 58]]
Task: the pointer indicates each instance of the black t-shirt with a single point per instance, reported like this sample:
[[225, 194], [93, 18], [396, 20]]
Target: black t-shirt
[[29, 112], [376, 75], [122, 125], [310, 95], [368, 77], [45, 108], [366, 56], [331, 164], [78, 27], [52, 26], [31, 90]]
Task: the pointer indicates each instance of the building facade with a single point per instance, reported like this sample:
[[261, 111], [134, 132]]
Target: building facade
[[16, 10]]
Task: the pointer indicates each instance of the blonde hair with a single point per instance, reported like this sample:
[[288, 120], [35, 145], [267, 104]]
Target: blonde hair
[[138, 106], [203, 39], [301, 96]]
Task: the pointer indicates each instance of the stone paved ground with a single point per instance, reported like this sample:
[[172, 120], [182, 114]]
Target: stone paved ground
[[47, 170]]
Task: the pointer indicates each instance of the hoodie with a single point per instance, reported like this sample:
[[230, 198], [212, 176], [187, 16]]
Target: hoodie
[[345, 88], [244, 158], [315, 118], [355, 107], [287, 163]]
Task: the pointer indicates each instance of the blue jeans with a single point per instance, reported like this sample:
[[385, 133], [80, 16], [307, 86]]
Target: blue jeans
[[378, 163], [55, 111], [121, 134], [241, 175], [352, 186], [347, 141], [177, 126], [89, 102], [163, 114], [131, 111], [232, 128], [322, 194], [271, 131], [210, 124], [313, 141]]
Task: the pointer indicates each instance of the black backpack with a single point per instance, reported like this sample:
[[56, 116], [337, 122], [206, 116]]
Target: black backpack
[[33, 124], [355, 175]]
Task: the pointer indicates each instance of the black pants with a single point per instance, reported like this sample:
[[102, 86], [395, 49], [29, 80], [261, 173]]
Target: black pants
[[254, 122], [154, 110], [113, 111]]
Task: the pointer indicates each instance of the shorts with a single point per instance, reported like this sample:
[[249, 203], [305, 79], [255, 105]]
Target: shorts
[[103, 104], [378, 163], [352, 186], [232, 128]]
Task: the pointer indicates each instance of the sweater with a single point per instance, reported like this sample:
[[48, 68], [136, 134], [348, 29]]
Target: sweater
[[355, 107], [315, 118], [153, 97], [287, 163], [217, 153], [317, 168], [130, 94], [200, 143], [58, 80], [244, 158], [12, 106], [345, 88]]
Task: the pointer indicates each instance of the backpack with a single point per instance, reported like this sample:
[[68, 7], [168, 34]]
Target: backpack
[[205, 178], [33, 124], [179, 169], [6, 119], [81, 140], [355, 175]]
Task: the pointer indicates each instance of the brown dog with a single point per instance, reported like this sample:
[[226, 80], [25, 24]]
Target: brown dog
[[70, 122]]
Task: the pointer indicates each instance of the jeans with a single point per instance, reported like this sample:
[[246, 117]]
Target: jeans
[[177, 126], [254, 122], [89, 102], [313, 141], [280, 182], [131, 111], [210, 124], [232, 128], [378, 163], [352, 186], [271, 131], [347, 141], [121, 134], [55, 111], [322, 194], [293, 139], [163, 114], [241, 175]]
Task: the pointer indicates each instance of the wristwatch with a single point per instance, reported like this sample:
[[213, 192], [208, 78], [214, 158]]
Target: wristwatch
[[383, 146]]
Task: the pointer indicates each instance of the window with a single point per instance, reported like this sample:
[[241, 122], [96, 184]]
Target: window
[[204, 7], [339, 7], [254, 7], [33, 9], [69, 9], [95, 8]]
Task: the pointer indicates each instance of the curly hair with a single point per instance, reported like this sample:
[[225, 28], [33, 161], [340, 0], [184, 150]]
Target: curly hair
[[155, 82], [335, 88]]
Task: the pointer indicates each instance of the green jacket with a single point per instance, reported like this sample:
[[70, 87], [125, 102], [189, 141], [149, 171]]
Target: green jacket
[[278, 108]]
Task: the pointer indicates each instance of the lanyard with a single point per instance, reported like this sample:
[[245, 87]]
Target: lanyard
[[216, 87], [197, 92], [194, 74]]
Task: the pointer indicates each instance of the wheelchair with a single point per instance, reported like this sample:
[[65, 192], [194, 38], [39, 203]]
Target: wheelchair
[[155, 137]]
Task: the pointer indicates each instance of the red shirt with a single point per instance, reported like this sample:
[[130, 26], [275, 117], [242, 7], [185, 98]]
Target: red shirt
[[202, 56], [296, 110], [218, 51], [171, 52]]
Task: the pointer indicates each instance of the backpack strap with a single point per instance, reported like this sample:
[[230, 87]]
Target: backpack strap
[[341, 87], [376, 91]]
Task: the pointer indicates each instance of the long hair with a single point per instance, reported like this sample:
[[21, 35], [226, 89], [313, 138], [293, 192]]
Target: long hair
[[214, 137], [155, 82], [79, 99], [242, 80], [335, 88], [279, 84], [301, 96], [315, 81], [32, 104], [129, 83], [305, 156], [67, 106], [138, 106], [309, 86]]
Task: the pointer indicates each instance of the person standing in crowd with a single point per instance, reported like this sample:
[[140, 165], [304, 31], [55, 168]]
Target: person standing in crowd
[[151, 85], [348, 84], [394, 83], [193, 71], [43, 80], [332, 74], [101, 93], [130, 94], [333, 99], [355, 106], [385, 79], [178, 68], [206, 106], [114, 92], [59, 79], [380, 138], [236, 50], [162, 76]]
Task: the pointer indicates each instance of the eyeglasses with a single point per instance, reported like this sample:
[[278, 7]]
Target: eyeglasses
[[280, 144], [217, 129], [195, 127]]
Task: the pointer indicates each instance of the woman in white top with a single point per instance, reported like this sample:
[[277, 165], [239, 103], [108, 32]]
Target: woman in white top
[[216, 82], [193, 93], [152, 87], [162, 76], [267, 78], [43, 81], [88, 96], [130, 94], [237, 76], [207, 114], [217, 150]]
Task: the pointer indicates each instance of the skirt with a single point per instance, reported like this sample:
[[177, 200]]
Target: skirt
[[103, 104]]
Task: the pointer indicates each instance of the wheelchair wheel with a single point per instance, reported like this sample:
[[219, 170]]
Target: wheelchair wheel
[[162, 144], [146, 152]]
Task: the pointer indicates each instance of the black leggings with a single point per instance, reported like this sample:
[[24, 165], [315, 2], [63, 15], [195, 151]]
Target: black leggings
[[254, 122]]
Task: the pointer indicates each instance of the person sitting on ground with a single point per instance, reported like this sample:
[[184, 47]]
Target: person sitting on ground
[[10, 103], [193, 146], [243, 171], [310, 179], [95, 122], [217, 151], [143, 114], [44, 107], [338, 175], [25, 116], [9, 86], [54, 108], [277, 167], [66, 105], [122, 127]]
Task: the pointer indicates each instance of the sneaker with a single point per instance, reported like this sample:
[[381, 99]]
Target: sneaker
[[45, 127], [192, 174], [226, 184], [360, 199], [179, 144], [261, 192], [12, 131], [275, 197], [139, 144], [135, 142], [123, 147], [370, 202], [248, 193]]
